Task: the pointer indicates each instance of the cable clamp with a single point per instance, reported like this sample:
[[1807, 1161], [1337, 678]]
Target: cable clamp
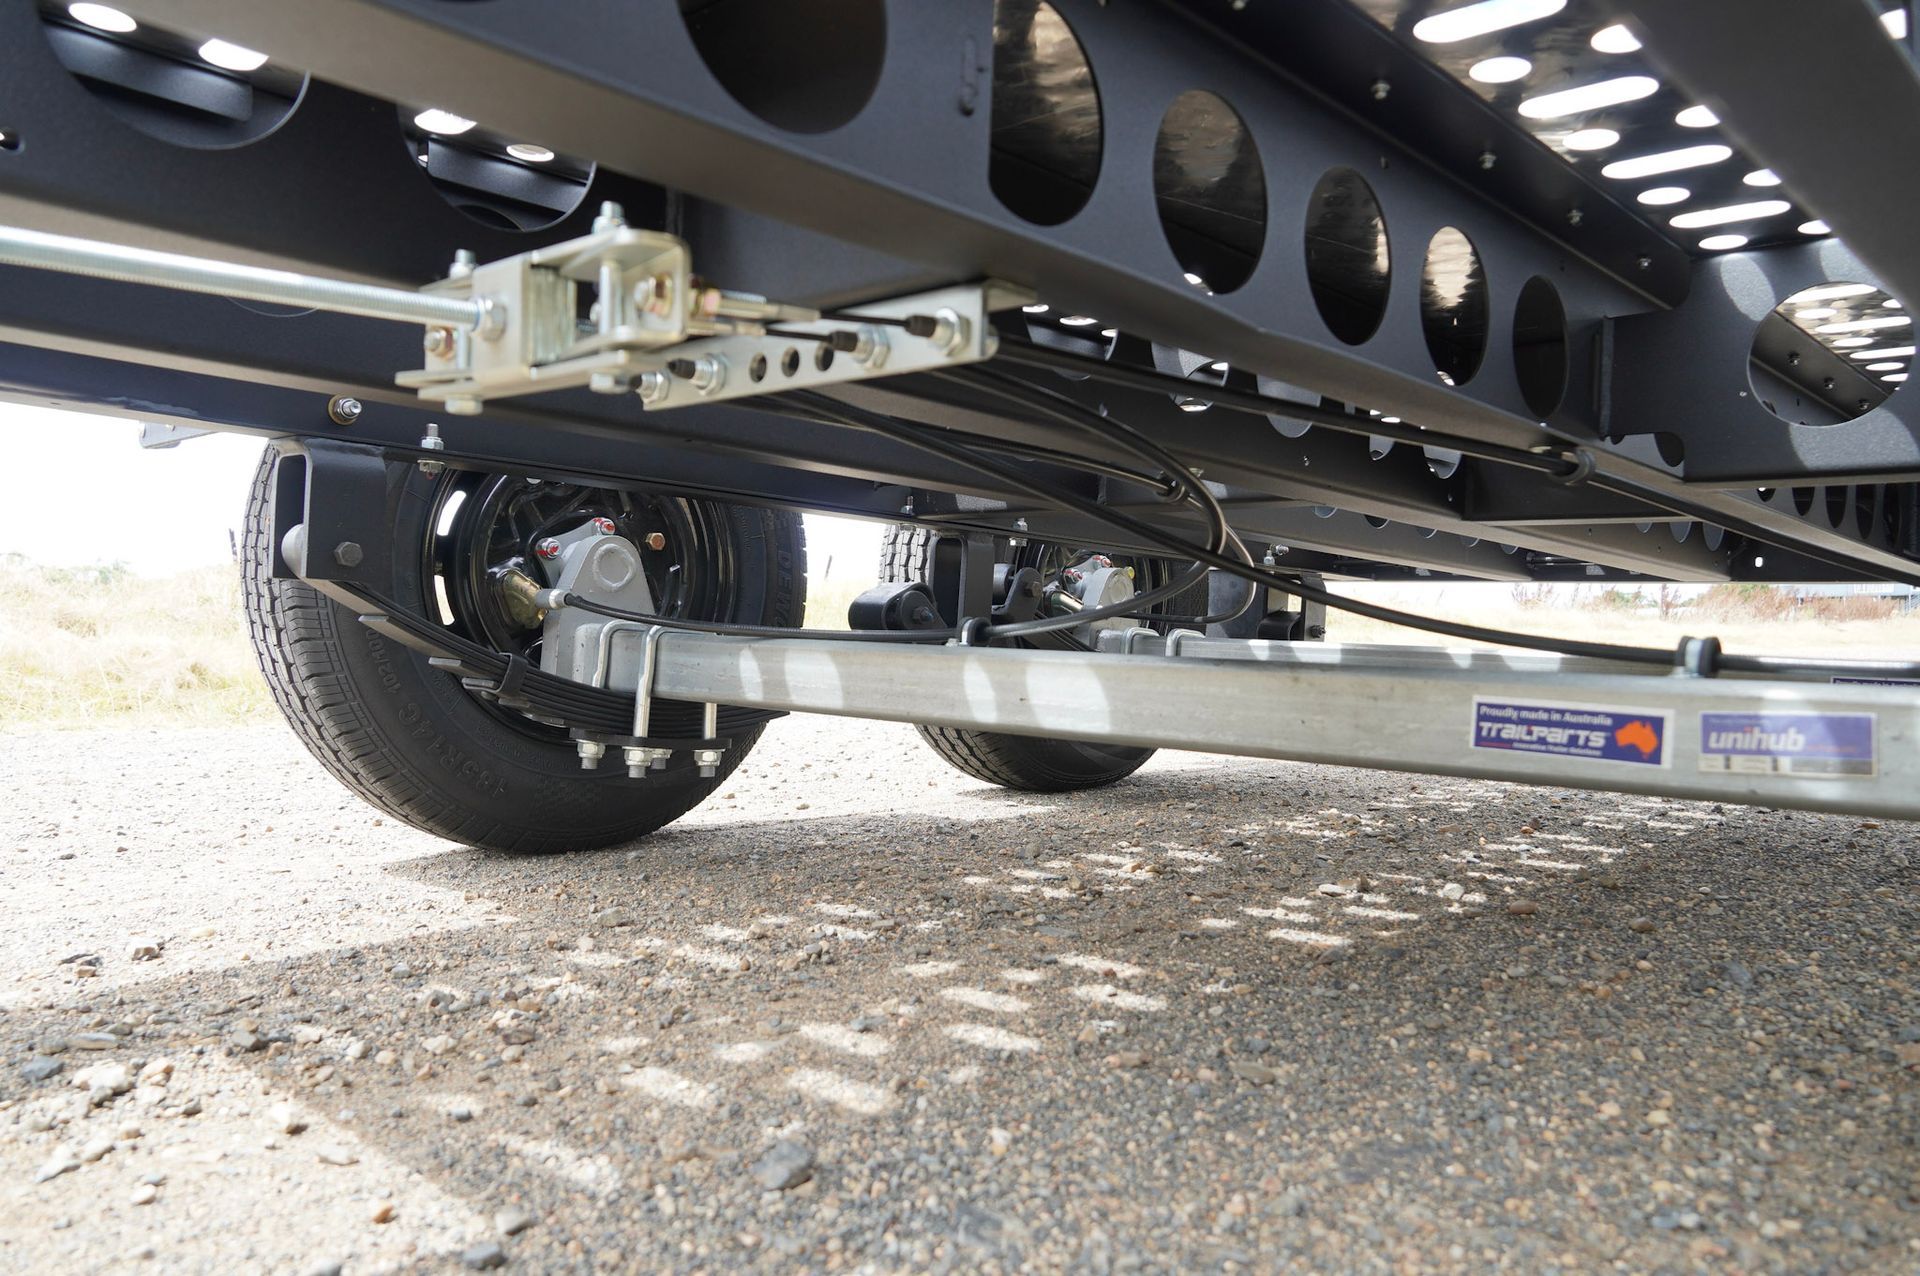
[[506, 692], [1699, 657], [1582, 462]]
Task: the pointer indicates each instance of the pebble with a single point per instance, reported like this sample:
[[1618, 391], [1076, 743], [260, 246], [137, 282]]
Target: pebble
[[59, 1163], [383, 1212], [323, 1267], [786, 1164], [1641, 925], [1453, 891], [438, 1044], [143, 948], [102, 1081], [93, 1041], [39, 1068], [287, 1119], [512, 1221], [1522, 907], [1258, 1073], [483, 1257], [336, 1156], [1127, 1059], [145, 1194]]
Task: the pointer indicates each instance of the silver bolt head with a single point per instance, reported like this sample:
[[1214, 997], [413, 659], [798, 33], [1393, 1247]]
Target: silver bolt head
[[344, 409], [348, 554]]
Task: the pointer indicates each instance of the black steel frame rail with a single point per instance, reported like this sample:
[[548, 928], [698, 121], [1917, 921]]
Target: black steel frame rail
[[620, 81]]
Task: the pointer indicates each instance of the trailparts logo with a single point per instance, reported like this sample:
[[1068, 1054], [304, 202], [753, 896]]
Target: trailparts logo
[[1594, 733]]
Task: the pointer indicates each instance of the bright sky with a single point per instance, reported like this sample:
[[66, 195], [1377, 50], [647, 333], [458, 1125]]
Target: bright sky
[[85, 492]]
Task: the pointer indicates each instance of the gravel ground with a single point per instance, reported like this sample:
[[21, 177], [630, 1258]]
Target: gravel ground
[[865, 1014]]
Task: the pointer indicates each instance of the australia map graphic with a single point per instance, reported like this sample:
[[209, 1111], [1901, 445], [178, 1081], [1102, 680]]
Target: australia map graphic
[[1638, 735]]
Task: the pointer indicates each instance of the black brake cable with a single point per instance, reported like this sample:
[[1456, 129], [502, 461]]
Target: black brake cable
[[1201, 555]]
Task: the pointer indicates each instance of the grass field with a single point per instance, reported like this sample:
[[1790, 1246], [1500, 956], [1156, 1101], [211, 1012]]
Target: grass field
[[99, 646]]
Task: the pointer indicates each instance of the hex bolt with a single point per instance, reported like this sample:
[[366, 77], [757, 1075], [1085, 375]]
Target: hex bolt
[[438, 342], [604, 525], [344, 410], [548, 549], [653, 388], [590, 751], [612, 217], [656, 540], [348, 554], [654, 295], [708, 374], [432, 442]]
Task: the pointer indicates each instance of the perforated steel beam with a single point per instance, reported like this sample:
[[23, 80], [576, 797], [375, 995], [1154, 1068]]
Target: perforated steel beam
[[1819, 93]]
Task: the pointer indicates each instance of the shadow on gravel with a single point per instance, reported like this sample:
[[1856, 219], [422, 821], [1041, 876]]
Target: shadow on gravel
[[1217, 1019]]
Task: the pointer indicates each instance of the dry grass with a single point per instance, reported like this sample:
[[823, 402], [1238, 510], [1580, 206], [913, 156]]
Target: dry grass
[[96, 647]]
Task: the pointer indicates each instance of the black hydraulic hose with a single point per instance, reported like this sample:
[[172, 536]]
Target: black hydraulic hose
[[912, 434], [1556, 462]]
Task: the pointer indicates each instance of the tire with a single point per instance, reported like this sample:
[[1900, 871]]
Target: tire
[[412, 742], [1028, 763]]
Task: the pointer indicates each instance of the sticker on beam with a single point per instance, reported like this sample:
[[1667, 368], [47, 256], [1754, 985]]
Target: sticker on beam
[[1834, 745], [1592, 733], [1878, 682]]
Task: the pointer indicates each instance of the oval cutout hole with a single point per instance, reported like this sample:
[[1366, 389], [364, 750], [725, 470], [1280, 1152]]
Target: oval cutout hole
[[1046, 127], [1349, 267], [805, 68], [1455, 310], [1830, 354], [1211, 191], [1540, 347]]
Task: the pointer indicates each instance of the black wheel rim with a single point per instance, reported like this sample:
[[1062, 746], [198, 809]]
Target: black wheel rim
[[481, 526]]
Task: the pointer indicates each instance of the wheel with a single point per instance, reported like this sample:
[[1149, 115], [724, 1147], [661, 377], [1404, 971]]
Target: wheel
[[1023, 762], [414, 742]]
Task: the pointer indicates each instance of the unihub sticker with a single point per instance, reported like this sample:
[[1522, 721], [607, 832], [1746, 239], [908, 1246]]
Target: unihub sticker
[[1596, 733], [1809, 744]]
